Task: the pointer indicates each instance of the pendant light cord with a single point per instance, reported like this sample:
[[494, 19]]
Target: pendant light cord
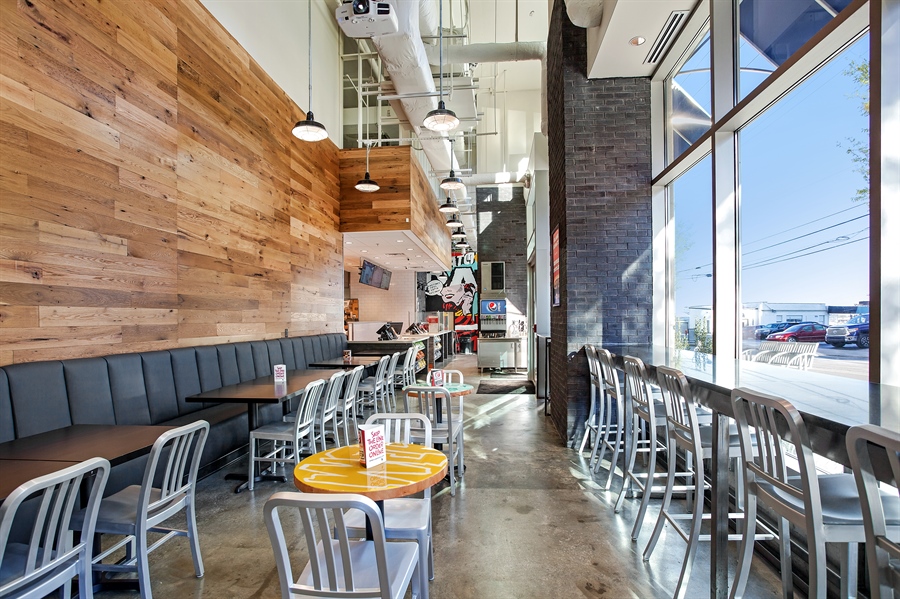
[[309, 22], [441, 48]]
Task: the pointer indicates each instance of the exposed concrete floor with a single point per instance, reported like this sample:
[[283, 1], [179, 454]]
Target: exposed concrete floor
[[528, 521]]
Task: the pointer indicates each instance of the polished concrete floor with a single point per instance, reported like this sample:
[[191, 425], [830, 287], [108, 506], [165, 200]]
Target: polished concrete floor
[[528, 521]]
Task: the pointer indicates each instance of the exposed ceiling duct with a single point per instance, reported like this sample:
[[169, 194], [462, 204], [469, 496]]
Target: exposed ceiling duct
[[500, 52], [585, 13]]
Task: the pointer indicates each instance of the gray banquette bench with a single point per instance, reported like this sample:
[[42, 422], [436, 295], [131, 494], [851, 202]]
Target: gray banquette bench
[[150, 388]]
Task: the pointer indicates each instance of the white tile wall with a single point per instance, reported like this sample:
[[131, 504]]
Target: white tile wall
[[393, 305]]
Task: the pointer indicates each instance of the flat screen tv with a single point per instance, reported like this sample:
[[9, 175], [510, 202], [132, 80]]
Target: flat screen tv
[[374, 275]]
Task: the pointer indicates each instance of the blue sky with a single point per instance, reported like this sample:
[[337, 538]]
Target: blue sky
[[797, 189]]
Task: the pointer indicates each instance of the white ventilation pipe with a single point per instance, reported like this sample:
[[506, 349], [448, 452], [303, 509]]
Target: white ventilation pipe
[[493, 179], [585, 13], [508, 52]]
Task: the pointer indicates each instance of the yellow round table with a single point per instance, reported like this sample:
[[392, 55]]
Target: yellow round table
[[409, 469]]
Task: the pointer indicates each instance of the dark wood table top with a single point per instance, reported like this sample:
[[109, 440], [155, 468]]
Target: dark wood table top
[[117, 443], [15, 472], [353, 362], [264, 389]]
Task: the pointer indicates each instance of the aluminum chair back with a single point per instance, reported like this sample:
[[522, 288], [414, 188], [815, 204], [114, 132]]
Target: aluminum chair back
[[338, 566], [682, 423], [409, 367], [328, 404], [51, 559], [306, 416], [398, 427], [175, 453], [638, 383], [882, 551]]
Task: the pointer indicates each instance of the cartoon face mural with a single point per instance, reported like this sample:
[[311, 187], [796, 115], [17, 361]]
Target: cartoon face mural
[[457, 291]]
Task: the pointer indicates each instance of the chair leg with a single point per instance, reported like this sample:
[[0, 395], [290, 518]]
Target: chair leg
[[194, 538], [849, 557], [143, 565], [664, 509], [252, 462], [787, 574], [818, 588], [648, 488], [693, 536], [628, 473], [462, 454], [424, 547], [745, 554], [615, 453]]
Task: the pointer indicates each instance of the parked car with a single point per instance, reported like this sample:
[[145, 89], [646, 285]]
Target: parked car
[[856, 330], [764, 330], [812, 332]]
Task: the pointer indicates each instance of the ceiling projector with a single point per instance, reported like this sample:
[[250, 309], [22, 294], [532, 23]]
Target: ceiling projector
[[362, 18]]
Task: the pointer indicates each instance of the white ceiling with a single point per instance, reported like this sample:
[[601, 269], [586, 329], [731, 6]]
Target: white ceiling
[[394, 250], [609, 52]]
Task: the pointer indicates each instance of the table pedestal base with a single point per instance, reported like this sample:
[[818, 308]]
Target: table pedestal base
[[258, 478]]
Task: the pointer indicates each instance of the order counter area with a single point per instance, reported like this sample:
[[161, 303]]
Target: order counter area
[[433, 347]]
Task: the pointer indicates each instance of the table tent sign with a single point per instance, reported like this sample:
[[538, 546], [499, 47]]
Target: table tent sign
[[372, 450], [437, 378], [280, 372], [348, 355]]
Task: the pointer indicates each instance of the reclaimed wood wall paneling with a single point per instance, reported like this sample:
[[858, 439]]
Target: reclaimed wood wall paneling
[[151, 195]]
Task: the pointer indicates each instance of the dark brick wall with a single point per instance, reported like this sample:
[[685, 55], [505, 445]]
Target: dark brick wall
[[502, 237], [599, 151]]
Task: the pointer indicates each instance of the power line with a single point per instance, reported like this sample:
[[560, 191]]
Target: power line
[[792, 239], [807, 223], [805, 235], [834, 247]]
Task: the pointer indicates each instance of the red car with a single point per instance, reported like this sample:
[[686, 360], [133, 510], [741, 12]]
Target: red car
[[811, 332]]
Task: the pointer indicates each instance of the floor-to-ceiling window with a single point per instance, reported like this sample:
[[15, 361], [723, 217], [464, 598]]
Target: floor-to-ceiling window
[[790, 190], [805, 216]]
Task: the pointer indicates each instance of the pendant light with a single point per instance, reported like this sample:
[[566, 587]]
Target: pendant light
[[441, 119], [452, 181], [449, 207], [459, 234], [366, 184], [454, 223], [309, 129], [462, 244]]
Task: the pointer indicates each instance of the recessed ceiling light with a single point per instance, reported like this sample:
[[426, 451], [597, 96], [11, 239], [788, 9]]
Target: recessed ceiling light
[[399, 241], [349, 242], [364, 251], [418, 255], [409, 249], [637, 40]]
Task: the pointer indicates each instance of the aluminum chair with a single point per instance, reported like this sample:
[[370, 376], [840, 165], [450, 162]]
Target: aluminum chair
[[372, 390], [882, 534], [445, 413], [824, 507], [288, 438], [591, 422], [389, 381], [684, 431], [405, 375], [407, 518], [338, 566], [51, 559], [647, 417], [611, 404], [327, 410], [138, 510], [345, 416]]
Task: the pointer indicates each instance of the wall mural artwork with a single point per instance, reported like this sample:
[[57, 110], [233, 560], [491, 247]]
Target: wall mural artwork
[[457, 291]]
